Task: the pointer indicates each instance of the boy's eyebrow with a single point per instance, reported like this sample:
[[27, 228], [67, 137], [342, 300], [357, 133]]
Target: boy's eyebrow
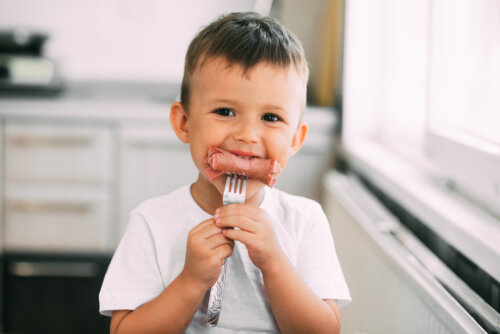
[[284, 112], [275, 107], [223, 101]]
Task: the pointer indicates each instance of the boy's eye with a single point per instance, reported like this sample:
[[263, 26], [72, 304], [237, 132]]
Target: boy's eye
[[224, 112], [271, 118]]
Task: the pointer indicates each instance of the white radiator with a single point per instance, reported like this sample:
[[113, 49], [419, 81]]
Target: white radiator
[[392, 291]]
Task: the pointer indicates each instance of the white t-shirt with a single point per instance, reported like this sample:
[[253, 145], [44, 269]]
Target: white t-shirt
[[152, 251]]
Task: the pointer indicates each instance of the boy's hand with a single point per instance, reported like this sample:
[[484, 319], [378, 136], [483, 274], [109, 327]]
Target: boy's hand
[[255, 231], [206, 250]]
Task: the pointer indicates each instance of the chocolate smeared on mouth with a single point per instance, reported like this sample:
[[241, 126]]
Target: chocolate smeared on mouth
[[222, 162]]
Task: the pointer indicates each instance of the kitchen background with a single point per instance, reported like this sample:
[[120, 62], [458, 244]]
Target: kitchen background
[[85, 89]]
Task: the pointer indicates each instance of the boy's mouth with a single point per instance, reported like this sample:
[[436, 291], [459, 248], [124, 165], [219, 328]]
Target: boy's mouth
[[243, 154], [220, 162]]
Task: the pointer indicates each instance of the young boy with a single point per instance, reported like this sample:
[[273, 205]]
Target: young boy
[[244, 91]]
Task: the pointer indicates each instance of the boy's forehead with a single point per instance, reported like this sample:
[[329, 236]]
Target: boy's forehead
[[220, 65], [216, 65]]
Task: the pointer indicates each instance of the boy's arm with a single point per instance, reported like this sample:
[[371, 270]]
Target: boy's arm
[[175, 307], [296, 308], [170, 312]]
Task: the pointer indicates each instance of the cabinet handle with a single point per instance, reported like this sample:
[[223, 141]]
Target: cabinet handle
[[27, 206], [54, 269], [39, 141], [161, 145]]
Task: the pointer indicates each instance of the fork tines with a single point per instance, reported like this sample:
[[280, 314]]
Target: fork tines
[[231, 186]]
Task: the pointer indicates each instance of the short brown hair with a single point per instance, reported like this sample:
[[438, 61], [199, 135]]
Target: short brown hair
[[244, 39]]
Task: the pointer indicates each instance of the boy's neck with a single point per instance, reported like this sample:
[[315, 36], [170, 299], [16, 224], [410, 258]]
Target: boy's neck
[[209, 198]]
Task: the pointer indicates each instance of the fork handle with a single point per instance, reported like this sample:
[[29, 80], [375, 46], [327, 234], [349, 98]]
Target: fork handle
[[215, 300]]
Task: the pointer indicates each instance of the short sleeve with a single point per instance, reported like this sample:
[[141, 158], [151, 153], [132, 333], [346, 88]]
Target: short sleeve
[[133, 276], [317, 261]]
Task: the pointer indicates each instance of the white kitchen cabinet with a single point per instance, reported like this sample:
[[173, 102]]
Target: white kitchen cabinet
[[36, 151], [153, 163], [56, 217], [304, 172], [69, 185], [58, 185]]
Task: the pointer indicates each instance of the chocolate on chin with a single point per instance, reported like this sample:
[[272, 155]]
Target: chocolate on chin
[[222, 162]]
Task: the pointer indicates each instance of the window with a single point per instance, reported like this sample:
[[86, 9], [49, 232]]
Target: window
[[423, 79], [463, 129]]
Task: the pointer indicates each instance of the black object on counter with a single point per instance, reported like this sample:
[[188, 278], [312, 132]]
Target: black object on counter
[[24, 70], [22, 42]]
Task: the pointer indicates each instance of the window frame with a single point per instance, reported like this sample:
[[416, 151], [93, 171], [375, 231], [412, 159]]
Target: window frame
[[472, 166]]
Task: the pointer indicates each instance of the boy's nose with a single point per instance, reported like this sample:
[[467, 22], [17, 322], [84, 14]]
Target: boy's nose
[[246, 132]]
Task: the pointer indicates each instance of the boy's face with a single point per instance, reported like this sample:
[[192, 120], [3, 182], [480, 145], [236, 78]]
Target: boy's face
[[255, 113]]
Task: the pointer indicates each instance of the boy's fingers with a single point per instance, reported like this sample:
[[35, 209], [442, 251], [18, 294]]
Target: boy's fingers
[[224, 251], [238, 235], [205, 229], [241, 222], [210, 230], [201, 226], [241, 210], [218, 240]]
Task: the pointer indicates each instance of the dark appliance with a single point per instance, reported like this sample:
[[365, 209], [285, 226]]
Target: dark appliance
[[53, 293]]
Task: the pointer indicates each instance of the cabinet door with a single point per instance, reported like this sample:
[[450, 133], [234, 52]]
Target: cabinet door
[[56, 152], [154, 163], [56, 217]]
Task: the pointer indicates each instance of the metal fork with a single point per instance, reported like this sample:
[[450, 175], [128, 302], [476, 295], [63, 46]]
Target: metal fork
[[234, 193]]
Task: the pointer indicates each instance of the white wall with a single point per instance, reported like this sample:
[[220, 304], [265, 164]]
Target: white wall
[[143, 40]]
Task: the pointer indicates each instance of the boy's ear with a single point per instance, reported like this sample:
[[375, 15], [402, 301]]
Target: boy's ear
[[178, 120], [298, 138]]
